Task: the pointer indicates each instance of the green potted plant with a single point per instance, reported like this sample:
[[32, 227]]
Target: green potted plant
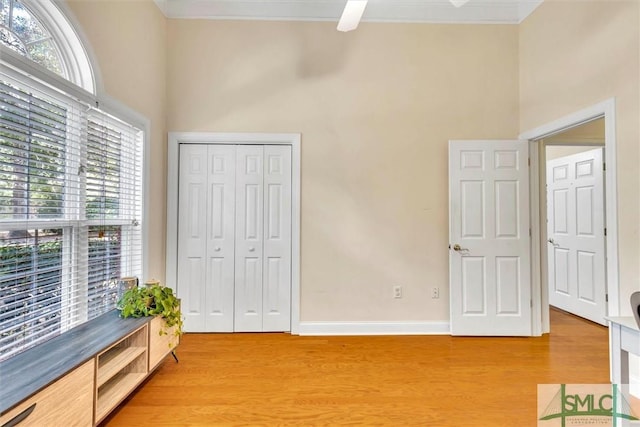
[[155, 300]]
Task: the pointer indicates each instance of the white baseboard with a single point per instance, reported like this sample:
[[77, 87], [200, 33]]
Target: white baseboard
[[374, 328]]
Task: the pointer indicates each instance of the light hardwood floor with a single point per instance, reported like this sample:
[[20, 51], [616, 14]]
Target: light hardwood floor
[[279, 379]]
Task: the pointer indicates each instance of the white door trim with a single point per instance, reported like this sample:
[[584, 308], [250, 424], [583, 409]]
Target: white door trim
[[539, 286], [173, 153]]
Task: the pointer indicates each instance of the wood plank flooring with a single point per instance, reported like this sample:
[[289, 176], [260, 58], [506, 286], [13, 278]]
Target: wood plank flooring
[[279, 379]]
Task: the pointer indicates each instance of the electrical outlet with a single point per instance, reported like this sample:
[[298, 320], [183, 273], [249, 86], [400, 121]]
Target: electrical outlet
[[435, 293], [397, 291]]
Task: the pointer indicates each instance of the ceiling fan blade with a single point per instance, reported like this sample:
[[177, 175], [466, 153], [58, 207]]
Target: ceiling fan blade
[[351, 15], [458, 3]]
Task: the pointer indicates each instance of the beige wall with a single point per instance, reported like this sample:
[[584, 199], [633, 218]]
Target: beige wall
[[557, 151], [576, 54], [592, 132], [585, 137], [128, 39], [375, 109]]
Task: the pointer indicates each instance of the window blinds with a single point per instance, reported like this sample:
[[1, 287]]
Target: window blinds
[[70, 211]]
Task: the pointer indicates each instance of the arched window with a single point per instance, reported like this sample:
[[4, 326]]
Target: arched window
[[39, 31], [71, 201]]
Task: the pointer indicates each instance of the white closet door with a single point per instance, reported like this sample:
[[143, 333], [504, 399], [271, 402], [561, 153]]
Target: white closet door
[[192, 236], [276, 296], [221, 238], [249, 238], [234, 241]]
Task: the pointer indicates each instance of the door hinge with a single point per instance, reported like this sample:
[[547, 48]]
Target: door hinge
[[605, 231], [529, 232], [531, 303], [604, 166], [529, 161], [606, 297]]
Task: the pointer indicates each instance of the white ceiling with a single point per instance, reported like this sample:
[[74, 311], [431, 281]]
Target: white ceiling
[[427, 11]]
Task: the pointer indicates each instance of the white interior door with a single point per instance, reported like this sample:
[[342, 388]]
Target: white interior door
[[234, 237], [575, 228], [489, 238]]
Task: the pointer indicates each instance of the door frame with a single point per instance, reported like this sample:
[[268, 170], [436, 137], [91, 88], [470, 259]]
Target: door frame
[[175, 139], [539, 270]]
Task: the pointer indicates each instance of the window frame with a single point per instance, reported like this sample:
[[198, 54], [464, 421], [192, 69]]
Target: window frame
[[79, 61]]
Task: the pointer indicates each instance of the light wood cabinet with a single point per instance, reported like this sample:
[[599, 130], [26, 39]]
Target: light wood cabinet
[[66, 402], [160, 345], [54, 385], [119, 370]]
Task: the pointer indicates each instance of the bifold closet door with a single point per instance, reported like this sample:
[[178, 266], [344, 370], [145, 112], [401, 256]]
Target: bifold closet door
[[276, 298], [234, 237], [263, 239], [206, 237]]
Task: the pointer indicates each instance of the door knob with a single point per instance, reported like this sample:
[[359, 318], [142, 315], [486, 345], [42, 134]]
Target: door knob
[[553, 242], [217, 249], [251, 249], [459, 248]]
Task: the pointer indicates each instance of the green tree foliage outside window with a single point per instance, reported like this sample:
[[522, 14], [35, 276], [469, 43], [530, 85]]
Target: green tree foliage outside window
[[21, 32]]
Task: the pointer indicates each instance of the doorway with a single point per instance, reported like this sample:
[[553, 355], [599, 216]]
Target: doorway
[[575, 217], [249, 150], [539, 273]]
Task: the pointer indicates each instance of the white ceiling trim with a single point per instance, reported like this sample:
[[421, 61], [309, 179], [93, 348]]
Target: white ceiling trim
[[401, 11]]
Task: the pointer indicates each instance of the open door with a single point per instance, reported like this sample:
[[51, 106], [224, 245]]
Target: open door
[[576, 235], [489, 242]]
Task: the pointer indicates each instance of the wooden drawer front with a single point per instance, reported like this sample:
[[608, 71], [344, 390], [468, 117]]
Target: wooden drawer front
[[66, 402], [160, 345]]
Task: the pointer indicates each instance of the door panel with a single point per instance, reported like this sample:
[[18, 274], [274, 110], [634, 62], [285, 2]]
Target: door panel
[[192, 232], [507, 209], [560, 221], [508, 273], [489, 238], [221, 238], [217, 294], [277, 244], [249, 241], [586, 273], [561, 270], [194, 303], [472, 204], [473, 286], [576, 247], [250, 289], [584, 212]]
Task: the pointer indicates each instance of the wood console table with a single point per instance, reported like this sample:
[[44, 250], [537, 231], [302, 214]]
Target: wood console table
[[624, 338], [80, 376]]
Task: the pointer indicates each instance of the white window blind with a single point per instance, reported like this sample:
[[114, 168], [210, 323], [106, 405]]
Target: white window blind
[[70, 210]]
